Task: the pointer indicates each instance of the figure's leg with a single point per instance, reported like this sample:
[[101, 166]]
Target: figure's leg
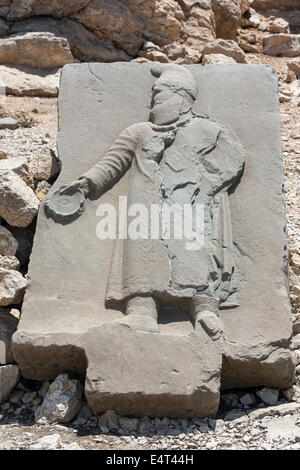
[[141, 314], [144, 306], [204, 311]]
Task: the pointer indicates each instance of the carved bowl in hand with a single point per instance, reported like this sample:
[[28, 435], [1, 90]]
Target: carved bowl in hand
[[64, 207]]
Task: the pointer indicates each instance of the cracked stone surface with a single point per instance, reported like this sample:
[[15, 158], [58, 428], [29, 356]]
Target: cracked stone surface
[[258, 331]]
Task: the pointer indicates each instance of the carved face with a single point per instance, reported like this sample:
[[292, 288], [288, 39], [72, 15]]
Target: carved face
[[168, 102]]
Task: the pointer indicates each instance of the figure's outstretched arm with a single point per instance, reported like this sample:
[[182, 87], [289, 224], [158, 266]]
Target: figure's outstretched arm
[[110, 169]]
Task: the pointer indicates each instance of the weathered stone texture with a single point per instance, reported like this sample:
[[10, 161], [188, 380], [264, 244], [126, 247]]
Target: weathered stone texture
[[60, 330]]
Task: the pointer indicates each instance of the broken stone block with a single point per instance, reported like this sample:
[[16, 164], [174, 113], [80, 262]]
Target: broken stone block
[[9, 376], [61, 402], [18, 203], [136, 388]]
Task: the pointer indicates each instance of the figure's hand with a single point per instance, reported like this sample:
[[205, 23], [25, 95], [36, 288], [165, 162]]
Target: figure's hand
[[68, 203], [74, 185]]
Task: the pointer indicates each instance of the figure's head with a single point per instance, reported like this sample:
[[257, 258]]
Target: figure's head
[[173, 93]]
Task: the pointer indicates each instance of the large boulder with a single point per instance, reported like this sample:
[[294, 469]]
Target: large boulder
[[12, 287], [282, 45], [44, 50], [225, 47], [9, 376], [18, 203], [228, 15]]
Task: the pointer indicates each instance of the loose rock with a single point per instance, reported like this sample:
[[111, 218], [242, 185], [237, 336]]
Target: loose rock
[[62, 401], [268, 395], [12, 287], [18, 203]]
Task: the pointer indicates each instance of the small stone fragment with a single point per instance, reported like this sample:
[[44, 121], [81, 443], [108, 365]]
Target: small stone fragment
[[268, 395], [62, 401], [248, 399], [129, 424], [18, 203], [8, 123], [110, 419], [51, 442], [209, 59]]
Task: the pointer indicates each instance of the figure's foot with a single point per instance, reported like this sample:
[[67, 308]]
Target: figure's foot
[[139, 323], [211, 324]]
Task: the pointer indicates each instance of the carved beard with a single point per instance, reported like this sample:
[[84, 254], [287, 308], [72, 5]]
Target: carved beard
[[166, 112]]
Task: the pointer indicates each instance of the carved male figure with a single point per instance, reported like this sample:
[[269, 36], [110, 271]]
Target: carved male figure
[[177, 157]]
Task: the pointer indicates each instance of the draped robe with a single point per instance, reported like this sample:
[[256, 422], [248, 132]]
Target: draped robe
[[196, 162]]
